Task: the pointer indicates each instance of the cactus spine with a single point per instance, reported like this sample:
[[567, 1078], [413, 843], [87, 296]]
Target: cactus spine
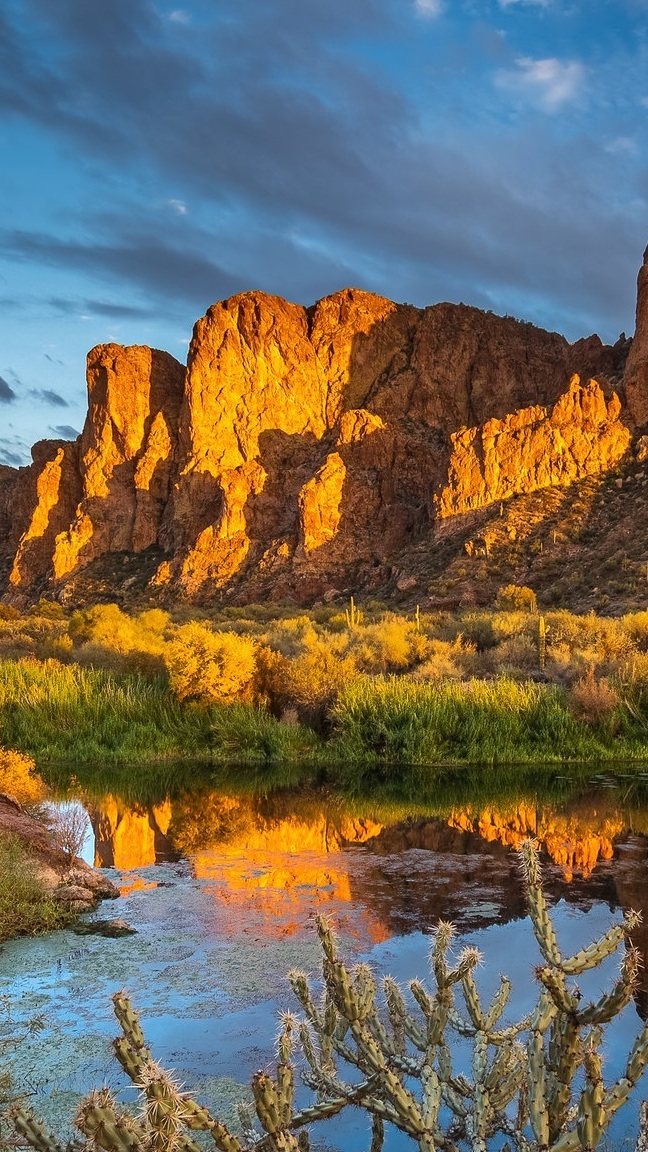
[[537, 1084]]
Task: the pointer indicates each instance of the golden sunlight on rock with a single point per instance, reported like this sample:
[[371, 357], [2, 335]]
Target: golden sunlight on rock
[[534, 448], [574, 841], [127, 838], [304, 448]]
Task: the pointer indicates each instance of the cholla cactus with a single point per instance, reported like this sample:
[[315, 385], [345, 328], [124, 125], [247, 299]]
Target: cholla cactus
[[537, 1084]]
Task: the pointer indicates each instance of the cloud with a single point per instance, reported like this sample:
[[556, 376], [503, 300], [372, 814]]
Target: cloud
[[13, 451], [7, 394], [429, 9], [550, 83], [148, 262], [622, 146], [179, 16], [85, 308], [178, 206], [64, 431], [48, 396], [511, 3], [9, 456]]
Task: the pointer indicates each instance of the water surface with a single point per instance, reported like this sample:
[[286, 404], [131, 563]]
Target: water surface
[[223, 889]]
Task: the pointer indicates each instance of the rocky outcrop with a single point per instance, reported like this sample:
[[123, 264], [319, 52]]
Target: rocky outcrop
[[77, 886], [303, 447], [535, 448], [636, 375], [46, 500], [126, 454]]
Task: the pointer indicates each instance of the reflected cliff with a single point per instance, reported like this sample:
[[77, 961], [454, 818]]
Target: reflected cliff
[[284, 857]]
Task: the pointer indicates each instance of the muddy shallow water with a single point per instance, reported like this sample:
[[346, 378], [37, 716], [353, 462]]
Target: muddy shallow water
[[223, 891]]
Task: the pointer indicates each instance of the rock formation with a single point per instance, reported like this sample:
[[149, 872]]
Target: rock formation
[[302, 448], [636, 374]]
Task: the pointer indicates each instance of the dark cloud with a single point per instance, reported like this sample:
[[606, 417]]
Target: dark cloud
[[48, 396], [12, 452], [149, 263], [64, 431], [76, 307], [52, 359], [328, 168], [7, 394]]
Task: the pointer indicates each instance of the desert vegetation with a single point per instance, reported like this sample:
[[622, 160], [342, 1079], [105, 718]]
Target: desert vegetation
[[349, 689], [26, 906]]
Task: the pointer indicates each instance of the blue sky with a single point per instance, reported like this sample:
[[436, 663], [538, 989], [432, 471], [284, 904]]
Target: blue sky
[[155, 158]]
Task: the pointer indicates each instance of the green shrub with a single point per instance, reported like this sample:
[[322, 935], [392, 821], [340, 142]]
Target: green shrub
[[26, 908]]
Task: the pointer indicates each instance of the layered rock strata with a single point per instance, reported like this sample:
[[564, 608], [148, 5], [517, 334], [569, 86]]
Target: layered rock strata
[[306, 446]]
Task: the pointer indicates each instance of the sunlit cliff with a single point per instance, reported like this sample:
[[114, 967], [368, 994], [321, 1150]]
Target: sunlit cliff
[[304, 450]]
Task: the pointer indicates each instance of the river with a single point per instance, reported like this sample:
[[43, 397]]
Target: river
[[223, 889]]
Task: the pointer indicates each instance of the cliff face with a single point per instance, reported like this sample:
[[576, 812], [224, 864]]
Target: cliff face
[[302, 448], [636, 375]]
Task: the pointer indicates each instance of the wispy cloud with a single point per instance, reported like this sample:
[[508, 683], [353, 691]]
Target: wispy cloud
[[7, 394], [550, 83], [622, 146], [48, 396], [429, 9], [512, 3], [65, 431], [178, 206], [179, 16]]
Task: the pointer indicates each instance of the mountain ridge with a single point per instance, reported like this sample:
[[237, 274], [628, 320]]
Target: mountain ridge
[[307, 452]]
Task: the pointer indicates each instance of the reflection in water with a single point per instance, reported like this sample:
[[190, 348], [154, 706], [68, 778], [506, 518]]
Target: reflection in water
[[272, 863]]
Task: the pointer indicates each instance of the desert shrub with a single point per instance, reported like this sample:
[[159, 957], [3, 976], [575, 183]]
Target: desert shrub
[[593, 701], [600, 634], [445, 660], [391, 645], [210, 667], [310, 682], [517, 597], [635, 624], [292, 636], [513, 623], [26, 908], [517, 654], [9, 613], [106, 637], [477, 629], [47, 609], [19, 778], [69, 824]]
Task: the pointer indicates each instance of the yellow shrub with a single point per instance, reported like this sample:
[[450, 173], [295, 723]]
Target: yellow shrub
[[19, 778], [212, 667], [391, 645], [106, 637]]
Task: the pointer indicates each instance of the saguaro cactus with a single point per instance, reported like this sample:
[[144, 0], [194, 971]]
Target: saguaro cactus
[[543, 628], [537, 1084]]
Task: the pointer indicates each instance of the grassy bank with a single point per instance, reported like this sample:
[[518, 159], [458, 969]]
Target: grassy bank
[[58, 712], [26, 908], [76, 716], [384, 722]]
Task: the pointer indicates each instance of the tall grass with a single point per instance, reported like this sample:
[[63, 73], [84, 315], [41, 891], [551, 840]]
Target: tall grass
[[26, 908], [65, 712], [384, 722], [81, 715]]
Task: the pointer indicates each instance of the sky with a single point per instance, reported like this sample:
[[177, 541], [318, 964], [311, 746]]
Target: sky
[[155, 159]]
